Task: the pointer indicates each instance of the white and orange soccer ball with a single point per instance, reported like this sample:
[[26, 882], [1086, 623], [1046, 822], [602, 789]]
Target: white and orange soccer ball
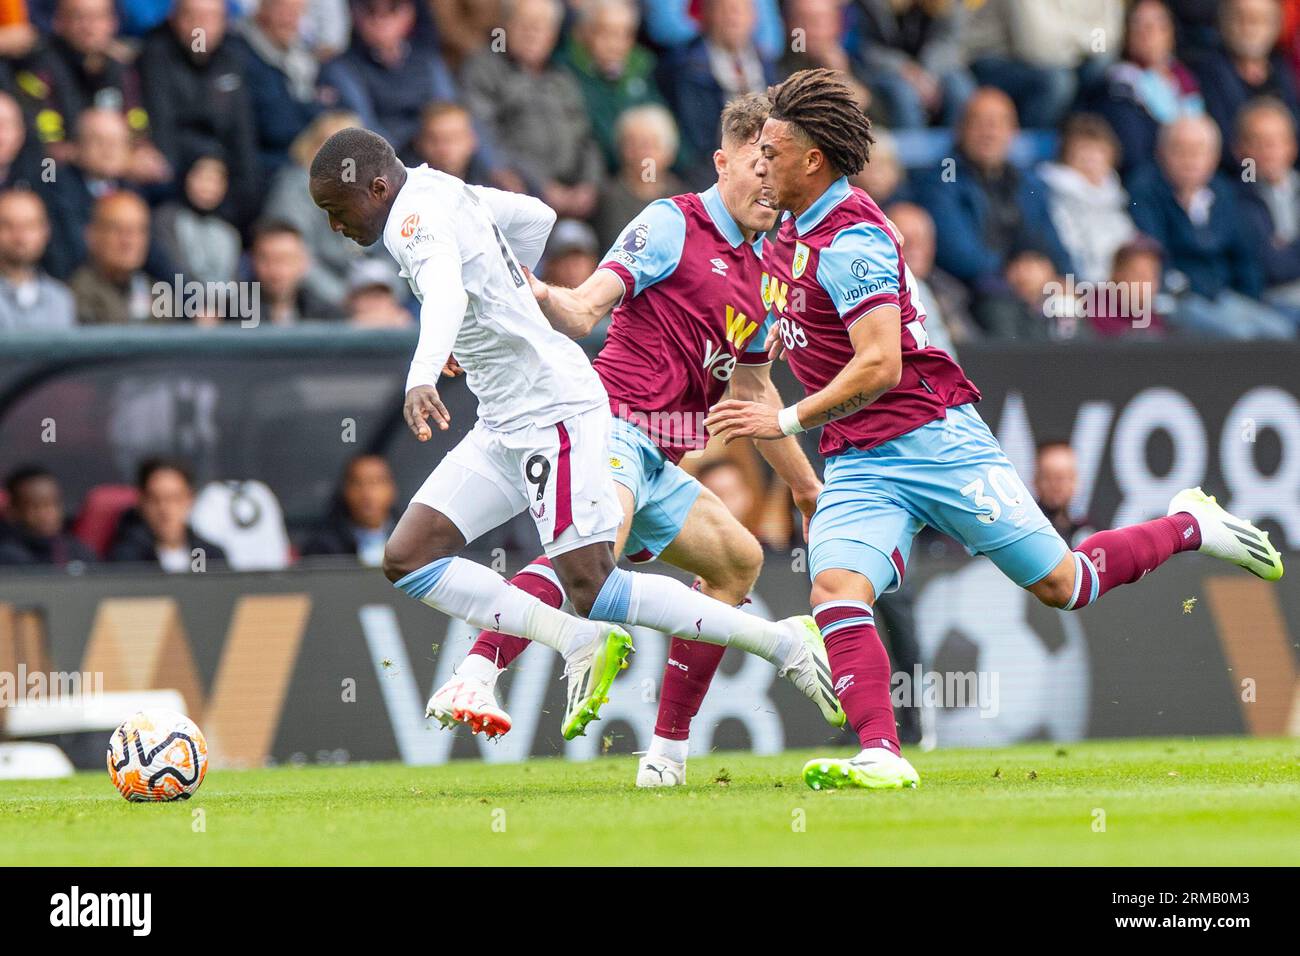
[[157, 755]]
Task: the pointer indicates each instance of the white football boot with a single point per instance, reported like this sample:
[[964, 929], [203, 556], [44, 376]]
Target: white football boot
[[810, 670], [876, 768], [659, 771], [1225, 536], [465, 700]]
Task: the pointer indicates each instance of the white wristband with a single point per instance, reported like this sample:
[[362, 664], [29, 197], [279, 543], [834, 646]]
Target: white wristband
[[788, 419]]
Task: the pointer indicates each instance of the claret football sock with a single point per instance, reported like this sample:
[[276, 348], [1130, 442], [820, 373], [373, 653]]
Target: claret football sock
[[690, 669], [538, 579], [1108, 559], [665, 604], [860, 669], [477, 594]]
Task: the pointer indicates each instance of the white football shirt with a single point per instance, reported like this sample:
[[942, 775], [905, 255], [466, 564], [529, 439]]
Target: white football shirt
[[453, 243]]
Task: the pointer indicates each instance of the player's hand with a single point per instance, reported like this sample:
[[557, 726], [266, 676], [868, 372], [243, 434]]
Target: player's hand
[[422, 402], [774, 344], [806, 502], [452, 368], [541, 291], [734, 419]]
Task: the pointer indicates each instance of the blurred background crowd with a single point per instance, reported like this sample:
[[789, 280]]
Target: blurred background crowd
[[1059, 169]]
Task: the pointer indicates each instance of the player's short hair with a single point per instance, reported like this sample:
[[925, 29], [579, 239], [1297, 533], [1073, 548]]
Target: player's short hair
[[1263, 104], [743, 118], [655, 115], [151, 466], [273, 227], [355, 150], [822, 106], [1088, 126], [23, 474]]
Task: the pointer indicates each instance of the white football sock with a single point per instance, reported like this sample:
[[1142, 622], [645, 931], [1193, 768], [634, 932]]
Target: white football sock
[[665, 604], [479, 668], [482, 598], [674, 750]]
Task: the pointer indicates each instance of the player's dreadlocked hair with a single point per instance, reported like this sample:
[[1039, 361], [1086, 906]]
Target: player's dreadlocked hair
[[824, 108]]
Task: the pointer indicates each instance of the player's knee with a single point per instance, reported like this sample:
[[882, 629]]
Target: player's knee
[[583, 576], [403, 556], [582, 591], [1057, 588], [839, 585]]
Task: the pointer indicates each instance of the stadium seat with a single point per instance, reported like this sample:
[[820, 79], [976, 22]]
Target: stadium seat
[[100, 512]]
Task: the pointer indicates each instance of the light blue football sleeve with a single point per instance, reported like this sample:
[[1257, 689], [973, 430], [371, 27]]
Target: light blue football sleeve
[[860, 267], [650, 247]]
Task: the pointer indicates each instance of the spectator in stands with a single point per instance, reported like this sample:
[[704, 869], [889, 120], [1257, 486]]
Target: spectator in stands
[[281, 73], [1133, 303], [20, 154], [535, 111], [465, 26], [198, 99], [112, 287], [1056, 482], [389, 72], [1089, 207], [158, 530], [720, 65], [36, 532], [984, 207], [446, 140], [1148, 87], [884, 179], [734, 488], [1247, 66], [914, 60], [572, 254], [373, 297], [280, 263], [676, 23], [647, 146], [613, 71], [820, 44], [1035, 306], [199, 243], [1040, 54], [99, 165], [84, 65], [944, 299], [363, 515], [29, 299], [1270, 196], [289, 201], [1210, 258]]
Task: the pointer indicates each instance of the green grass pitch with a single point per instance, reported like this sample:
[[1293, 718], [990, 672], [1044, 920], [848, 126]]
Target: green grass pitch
[[1210, 801]]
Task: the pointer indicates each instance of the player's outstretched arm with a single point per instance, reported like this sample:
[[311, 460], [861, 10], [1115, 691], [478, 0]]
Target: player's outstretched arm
[[875, 368], [753, 383], [575, 312]]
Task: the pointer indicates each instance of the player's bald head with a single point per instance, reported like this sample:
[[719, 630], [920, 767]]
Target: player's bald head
[[354, 177]]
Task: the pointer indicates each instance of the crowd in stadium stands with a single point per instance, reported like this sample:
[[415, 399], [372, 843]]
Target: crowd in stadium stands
[[1049, 146], [1058, 171]]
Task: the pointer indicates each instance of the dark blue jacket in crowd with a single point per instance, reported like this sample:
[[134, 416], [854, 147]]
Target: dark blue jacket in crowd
[[960, 208], [1225, 93], [278, 115], [697, 99], [1281, 264], [1221, 254], [389, 101]]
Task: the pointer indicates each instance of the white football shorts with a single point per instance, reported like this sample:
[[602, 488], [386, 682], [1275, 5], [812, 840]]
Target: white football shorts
[[560, 473]]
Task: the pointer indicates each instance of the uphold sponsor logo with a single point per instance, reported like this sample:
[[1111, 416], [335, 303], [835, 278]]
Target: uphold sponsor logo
[[74, 908]]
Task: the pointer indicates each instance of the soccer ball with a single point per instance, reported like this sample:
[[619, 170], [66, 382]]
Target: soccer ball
[[157, 755]]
